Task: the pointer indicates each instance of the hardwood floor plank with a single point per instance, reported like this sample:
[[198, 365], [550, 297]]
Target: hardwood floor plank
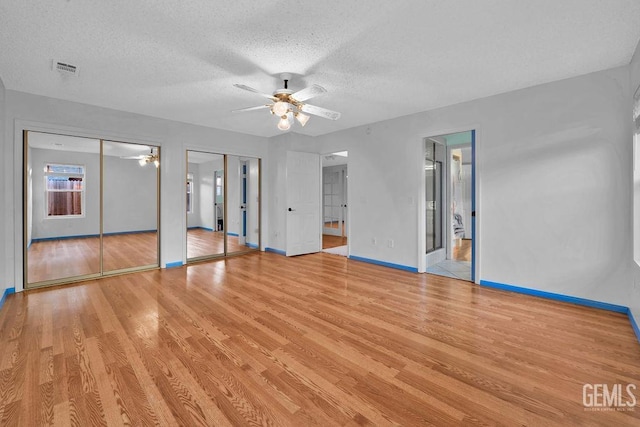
[[115, 413], [314, 340]]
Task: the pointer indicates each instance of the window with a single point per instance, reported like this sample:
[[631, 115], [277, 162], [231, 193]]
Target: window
[[189, 193], [64, 186]]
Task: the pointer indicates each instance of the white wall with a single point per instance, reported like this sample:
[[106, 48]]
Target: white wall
[[233, 195], [27, 111], [130, 196], [29, 206], [206, 191], [253, 175], [554, 157], [634, 302], [6, 199], [193, 218]]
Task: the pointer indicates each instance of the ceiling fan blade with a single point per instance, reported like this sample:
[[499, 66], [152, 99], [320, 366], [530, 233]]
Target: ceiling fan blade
[[250, 89], [259, 107], [308, 93], [321, 112], [140, 157]]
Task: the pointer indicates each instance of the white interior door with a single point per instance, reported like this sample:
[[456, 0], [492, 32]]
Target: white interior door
[[303, 203], [345, 220]]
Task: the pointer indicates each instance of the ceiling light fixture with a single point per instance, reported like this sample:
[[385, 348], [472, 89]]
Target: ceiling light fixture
[[280, 108], [288, 104], [302, 118], [152, 158], [284, 124]]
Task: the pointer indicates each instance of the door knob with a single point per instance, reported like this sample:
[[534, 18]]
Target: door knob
[[291, 210]]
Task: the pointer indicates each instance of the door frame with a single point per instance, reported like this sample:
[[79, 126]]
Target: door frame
[[475, 201], [347, 191]]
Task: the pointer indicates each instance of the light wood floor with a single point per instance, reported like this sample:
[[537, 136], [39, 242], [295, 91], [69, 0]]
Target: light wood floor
[[462, 252], [313, 340], [201, 242], [329, 241], [56, 259]]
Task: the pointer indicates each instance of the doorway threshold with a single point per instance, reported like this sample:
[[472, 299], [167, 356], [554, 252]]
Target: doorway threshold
[[452, 268], [338, 250]]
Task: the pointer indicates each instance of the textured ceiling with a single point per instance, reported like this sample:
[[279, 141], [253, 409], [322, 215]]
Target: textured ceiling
[[377, 59]]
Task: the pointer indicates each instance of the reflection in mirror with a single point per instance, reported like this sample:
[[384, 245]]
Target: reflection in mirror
[[130, 206], [205, 205], [243, 211], [62, 207]]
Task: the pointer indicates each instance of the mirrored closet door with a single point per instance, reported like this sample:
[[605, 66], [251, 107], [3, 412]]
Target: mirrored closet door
[[62, 209], [205, 205], [90, 208], [130, 206], [223, 205]]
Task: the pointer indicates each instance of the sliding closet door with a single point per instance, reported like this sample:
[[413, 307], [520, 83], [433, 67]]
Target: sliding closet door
[[223, 205], [205, 205], [130, 206], [90, 208], [61, 208]]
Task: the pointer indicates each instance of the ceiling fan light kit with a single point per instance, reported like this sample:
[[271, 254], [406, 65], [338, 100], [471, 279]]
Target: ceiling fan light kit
[[149, 159], [289, 105], [145, 159], [284, 124]]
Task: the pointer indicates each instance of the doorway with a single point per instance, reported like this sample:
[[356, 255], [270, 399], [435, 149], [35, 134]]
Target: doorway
[[334, 203], [450, 205]]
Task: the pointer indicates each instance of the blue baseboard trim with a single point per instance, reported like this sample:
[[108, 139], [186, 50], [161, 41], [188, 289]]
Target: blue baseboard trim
[[48, 239], [201, 228], [275, 251], [117, 233], [252, 245], [556, 297], [174, 264], [566, 298], [6, 292], [384, 263], [85, 236], [232, 234]]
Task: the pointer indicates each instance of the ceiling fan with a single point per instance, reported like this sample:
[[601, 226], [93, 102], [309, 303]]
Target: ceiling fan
[[144, 159], [288, 104]]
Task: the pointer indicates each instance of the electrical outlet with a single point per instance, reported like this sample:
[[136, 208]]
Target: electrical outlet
[[390, 243], [374, 241]]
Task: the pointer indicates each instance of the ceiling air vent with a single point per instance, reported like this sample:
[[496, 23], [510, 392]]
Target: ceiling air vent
[[65, 68]]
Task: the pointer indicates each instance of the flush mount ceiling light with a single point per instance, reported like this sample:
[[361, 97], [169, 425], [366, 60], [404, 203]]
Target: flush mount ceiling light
[[290, 106]]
